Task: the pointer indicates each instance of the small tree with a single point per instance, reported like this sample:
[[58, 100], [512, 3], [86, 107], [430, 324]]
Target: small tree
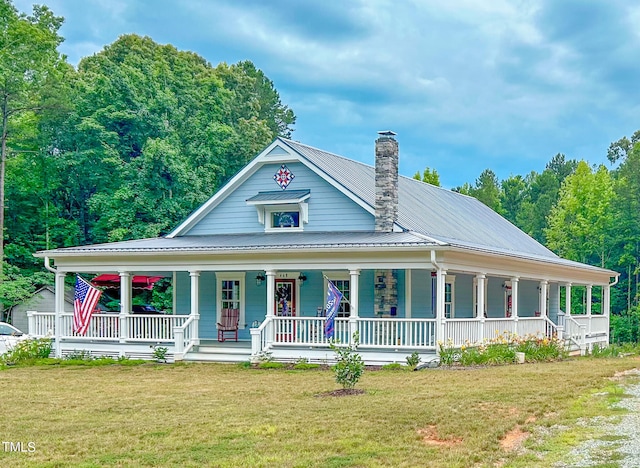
[[350, 365]]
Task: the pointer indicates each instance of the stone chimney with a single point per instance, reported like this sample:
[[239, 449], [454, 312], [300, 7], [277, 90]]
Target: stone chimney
[[386, 181], [386, 289]]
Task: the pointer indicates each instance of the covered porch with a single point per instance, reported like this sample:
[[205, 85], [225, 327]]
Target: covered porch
[[416, 308]]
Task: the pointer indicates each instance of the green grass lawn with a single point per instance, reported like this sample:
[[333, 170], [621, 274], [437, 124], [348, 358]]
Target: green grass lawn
[[224, 415]]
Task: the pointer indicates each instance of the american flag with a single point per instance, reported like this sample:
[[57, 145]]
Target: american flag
[[85, 300]]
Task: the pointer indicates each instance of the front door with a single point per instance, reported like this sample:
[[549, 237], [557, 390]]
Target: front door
[[286, 297]]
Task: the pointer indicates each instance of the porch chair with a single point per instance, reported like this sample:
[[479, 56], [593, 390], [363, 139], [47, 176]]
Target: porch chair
[[228, 323]]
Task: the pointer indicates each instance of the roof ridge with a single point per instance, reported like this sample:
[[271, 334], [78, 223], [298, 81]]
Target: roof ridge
[[292, 143]]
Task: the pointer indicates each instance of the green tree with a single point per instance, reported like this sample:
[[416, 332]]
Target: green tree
[[581, 224], [512, 195], [430, 176], [486, 189], [29, 62]]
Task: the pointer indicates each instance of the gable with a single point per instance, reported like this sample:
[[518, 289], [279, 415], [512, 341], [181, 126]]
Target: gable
[[328, 208]]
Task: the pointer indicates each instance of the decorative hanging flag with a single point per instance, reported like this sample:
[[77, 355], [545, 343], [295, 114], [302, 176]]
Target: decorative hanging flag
[[334, 296], [283, 177], [85, 300]]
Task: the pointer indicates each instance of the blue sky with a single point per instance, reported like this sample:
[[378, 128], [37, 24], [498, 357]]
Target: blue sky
[[466, 84]]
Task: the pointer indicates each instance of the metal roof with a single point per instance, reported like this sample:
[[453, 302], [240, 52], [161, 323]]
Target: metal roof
[[442, 214], [254, 241], [281, 196]]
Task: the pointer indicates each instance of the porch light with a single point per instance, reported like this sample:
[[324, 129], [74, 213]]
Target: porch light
[[302, 278], [259, 279]]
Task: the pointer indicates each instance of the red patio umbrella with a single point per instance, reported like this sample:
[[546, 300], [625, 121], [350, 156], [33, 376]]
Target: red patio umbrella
[[137, 282]]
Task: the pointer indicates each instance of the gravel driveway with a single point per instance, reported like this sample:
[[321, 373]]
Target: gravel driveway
[[619, 443]]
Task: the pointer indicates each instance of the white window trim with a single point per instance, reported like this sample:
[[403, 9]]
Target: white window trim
[[450, 279], [231, 276], [301, 208]]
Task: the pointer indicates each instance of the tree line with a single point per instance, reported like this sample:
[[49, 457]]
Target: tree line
[[124, 146], [136, 137], [585, 213]]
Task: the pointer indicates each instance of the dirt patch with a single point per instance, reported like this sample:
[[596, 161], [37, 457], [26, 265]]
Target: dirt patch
[[623, 374], [513, 439], [430, 437], [341, 392]]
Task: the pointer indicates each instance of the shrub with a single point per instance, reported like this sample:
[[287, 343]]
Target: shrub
[[305, 366], [393, 366], [413, 359], [160, 353], [27, 350], [350, 365], [271, 365], [448, 354]]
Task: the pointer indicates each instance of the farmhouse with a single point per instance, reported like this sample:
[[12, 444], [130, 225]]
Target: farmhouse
[[417, 264]]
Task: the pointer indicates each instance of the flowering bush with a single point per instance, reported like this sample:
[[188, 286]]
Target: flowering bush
[[502, 350]]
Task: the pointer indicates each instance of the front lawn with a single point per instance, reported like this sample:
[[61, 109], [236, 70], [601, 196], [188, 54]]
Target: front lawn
[[226, 415]]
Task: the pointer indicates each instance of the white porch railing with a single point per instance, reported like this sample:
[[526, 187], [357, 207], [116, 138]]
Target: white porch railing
[[374, 332], [154, 327], [184, 337], [575, 332], [106, 327], [397, 333], [475, 330]]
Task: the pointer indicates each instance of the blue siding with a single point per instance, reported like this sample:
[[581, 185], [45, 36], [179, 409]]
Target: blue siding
[[311, 294], [329, 209], [401, 285], [464, 296], [554, 301], [421, 294], [207, 326], [528, 298], [366, 298], [183, 293], [495, 297]]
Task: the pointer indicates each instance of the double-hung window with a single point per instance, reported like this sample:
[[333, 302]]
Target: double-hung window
[[230, 294]]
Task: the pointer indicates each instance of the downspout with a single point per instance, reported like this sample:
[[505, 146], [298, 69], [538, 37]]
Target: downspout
[[47, 265]]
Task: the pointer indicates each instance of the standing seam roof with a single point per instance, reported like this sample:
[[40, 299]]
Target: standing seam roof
[[436, 212]]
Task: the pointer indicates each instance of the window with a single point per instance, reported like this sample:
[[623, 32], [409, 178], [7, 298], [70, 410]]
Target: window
[[283, 210], [449, 297], [230, 294], [449, 294], [343, 283], [285, 219]]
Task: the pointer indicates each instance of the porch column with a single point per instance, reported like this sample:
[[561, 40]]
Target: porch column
[[440, 320], [125, 304], [480, 309], [589, 298], [543, 298], [59, 309], [353, 316], [514, 296], [567, 299], [271, 292], [195, 305], [514, 302], [606, 306], [480, 281]]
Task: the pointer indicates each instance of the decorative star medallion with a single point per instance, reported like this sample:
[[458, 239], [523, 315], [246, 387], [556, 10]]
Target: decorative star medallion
[[283, 177]]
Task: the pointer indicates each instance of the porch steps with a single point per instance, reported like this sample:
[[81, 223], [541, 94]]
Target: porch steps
[[220, 352]]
